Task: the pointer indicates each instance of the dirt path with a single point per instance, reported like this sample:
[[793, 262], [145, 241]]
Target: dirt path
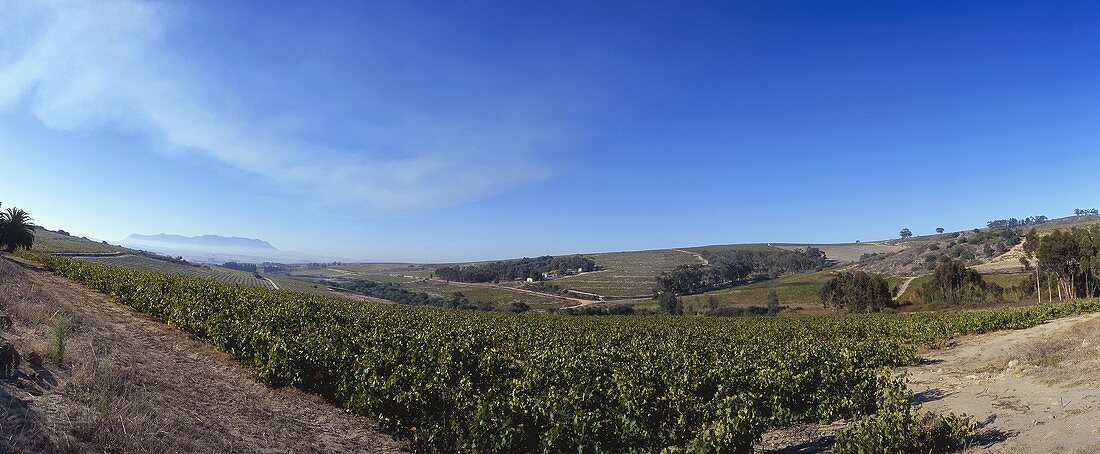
[[702, 260], [128, 383], [271, 282], [904, 286], [1033, 390]]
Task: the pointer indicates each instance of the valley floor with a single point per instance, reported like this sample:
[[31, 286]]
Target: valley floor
[[127, 383]]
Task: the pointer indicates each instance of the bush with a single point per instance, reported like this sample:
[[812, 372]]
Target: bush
[[621, 309], [900, 427]]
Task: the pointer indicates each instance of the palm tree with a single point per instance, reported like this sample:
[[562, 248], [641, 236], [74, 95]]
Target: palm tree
[[16, 229]]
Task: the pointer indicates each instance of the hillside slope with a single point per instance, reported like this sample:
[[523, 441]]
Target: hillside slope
[[128, 383]]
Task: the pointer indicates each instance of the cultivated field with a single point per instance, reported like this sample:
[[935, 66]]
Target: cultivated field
[[499, 296], [216, 273], [716, 384], [627, 273]]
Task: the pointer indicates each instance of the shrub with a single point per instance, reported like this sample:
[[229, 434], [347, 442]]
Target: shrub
[[900, 427]]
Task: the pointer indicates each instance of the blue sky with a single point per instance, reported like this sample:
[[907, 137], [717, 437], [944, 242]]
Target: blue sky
[[446, 131]]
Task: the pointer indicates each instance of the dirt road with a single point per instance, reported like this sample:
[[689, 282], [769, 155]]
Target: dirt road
[[904, 286], [702, 261], [1033, 390], [128, 383]]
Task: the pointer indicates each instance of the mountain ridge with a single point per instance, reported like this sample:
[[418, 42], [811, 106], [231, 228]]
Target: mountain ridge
[[203, 241]]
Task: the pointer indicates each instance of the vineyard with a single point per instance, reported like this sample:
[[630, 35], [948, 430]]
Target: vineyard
[[201, 272], [471, 381], [626, 273]]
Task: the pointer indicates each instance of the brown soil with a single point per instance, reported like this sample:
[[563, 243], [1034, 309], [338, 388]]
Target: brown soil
[[128, 383], [1033, 390]]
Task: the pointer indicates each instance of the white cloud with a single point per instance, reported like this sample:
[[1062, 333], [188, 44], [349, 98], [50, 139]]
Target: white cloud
[[103, 64]]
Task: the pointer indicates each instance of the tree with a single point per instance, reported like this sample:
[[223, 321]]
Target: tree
[[954, 283], [906, 233], [712, 304], [857, 292], [16, 229], [939, 229], [670, 304], [773, 302]]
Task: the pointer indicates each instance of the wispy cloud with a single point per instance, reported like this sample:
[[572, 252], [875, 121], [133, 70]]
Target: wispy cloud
[[78, 65]]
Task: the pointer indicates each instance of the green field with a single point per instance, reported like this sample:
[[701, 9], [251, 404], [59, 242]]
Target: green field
[[216, 273], [800, 290], [389, 269], [1009, 280]]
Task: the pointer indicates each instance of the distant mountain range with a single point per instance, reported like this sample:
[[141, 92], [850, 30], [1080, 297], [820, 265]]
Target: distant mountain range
[[200, 242], [219, 249]]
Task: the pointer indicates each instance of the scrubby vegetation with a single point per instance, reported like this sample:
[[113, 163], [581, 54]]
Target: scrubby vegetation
[[491, 382], [524, 268]]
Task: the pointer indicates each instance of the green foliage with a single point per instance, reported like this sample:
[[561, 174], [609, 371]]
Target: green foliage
[[773, 302], [899, 427], [734, 266], [670, 304], [856, 292], [16, 230], [471, 381], [954, 283], [396, 293], [1069, 260], [508, 270]]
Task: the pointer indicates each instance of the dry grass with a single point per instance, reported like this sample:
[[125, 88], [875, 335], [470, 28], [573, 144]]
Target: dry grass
[[1072, 357], [82, 407], [131, 384], [108, 418]]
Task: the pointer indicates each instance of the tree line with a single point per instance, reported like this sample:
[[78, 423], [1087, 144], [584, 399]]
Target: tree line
[[1067, 263], [732, 267], [1012, 223], [507, 270], [400, 295], [249, 267]]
